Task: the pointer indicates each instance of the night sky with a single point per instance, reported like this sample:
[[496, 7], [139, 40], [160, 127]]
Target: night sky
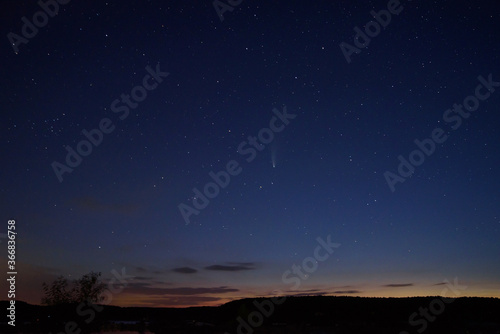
[[118, 115]]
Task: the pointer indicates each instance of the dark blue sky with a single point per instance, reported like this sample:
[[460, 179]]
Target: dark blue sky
[[320, 175]]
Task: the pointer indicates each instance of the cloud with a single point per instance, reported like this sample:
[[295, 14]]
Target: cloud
[[346, 292], [305, 294], [137, 285], [185, 270], [92, 204], [147, 289], [177, 301], [304, 291], [398, 285], [234, 266], [317, 292]]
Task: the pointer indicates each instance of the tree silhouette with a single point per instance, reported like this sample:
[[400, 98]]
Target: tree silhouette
[[56, 293], [86, 289], [89, 288]]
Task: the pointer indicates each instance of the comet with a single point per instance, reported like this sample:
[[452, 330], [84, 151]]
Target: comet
[[273, 157]]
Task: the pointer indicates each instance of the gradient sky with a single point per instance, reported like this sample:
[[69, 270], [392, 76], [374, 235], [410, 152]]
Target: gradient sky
[[322, 175]]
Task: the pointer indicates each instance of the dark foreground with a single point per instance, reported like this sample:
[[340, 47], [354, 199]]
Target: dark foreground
[[312, 315]]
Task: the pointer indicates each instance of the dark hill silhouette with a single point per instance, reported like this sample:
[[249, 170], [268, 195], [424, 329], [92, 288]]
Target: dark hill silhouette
[[315, 314]]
